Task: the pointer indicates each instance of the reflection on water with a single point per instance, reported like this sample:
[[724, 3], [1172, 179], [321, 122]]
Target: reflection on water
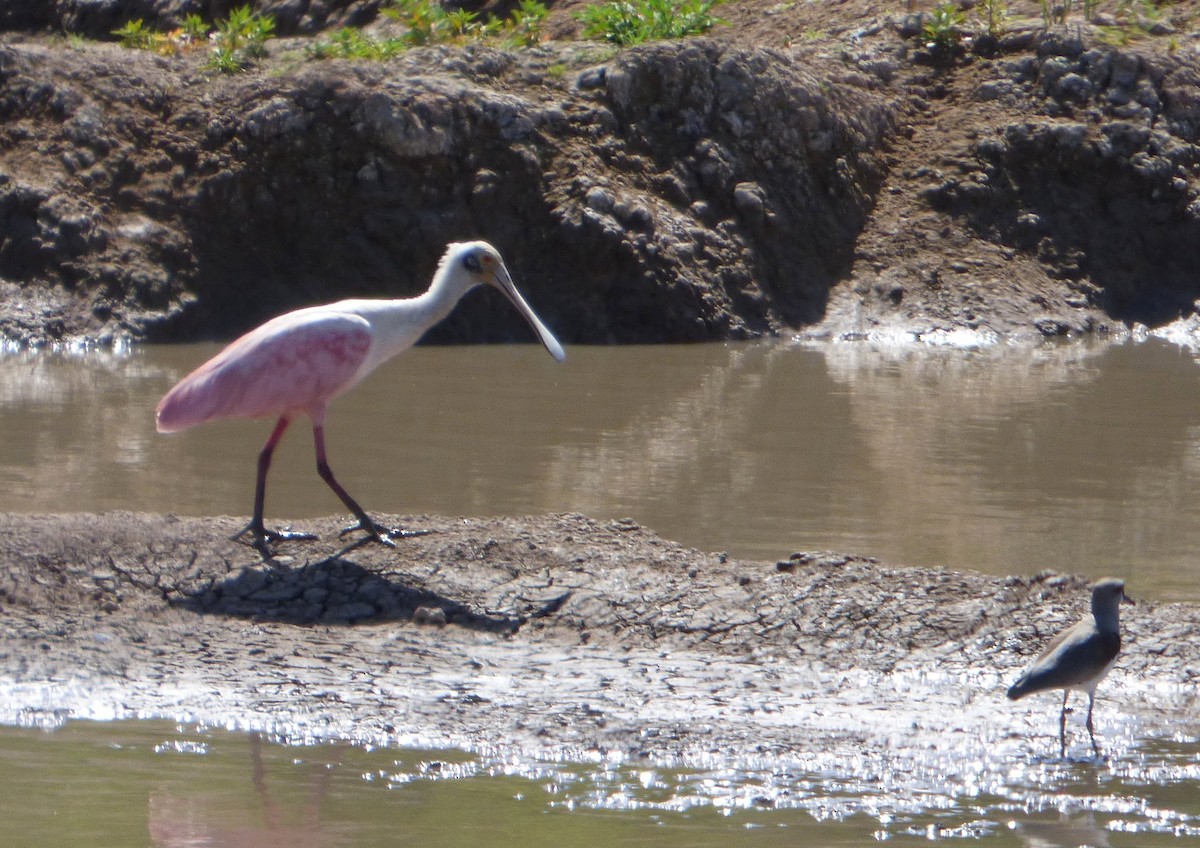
[[121, 784], [183, 818], [114, 785], [1005, 459]]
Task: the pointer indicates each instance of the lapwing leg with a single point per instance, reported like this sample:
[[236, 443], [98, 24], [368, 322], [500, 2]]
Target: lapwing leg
[[1062, 725], [1091, 731]]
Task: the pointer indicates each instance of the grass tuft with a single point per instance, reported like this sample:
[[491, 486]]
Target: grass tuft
[[426, 22], [628, 22]]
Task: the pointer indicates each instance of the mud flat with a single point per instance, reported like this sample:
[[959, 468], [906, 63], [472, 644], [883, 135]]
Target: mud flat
[[565, 638]]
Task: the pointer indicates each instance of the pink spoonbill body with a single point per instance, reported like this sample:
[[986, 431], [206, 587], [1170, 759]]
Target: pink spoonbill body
[[297, 363]]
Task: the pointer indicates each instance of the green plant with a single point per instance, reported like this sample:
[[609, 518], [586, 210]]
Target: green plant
[[246, 31], [1148, 14], [995, 16], [136, 35], [195, 28], [423, 20], [353, 43], [626, 22], [1114, 36], [462, 25], [426, 22], [1136, 18], [345, 43], [225, 62], [524, 25], [240, 39], [943, 27]]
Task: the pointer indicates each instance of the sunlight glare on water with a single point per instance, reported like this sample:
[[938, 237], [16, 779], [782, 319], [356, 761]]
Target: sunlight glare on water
[[119, 784]]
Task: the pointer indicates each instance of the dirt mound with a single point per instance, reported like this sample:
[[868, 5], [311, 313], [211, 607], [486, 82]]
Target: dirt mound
[[539, 617], [162, 202]]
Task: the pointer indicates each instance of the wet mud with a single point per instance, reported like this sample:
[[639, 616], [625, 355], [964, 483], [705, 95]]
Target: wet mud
[[565, 638]]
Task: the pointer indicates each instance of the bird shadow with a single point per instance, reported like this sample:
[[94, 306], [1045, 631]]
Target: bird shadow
[[336, 591]]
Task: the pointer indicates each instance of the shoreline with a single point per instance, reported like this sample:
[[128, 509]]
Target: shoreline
[[555, 636]]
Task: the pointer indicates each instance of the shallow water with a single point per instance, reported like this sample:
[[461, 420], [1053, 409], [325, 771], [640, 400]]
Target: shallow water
[[159, 784], [1006, 459]]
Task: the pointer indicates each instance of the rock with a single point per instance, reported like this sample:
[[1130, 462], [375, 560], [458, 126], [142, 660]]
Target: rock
[[750, 202], [592, 78], [1072, 86], [435, 616], [701, 189], [993, 90], [912, 25], [600, 199]]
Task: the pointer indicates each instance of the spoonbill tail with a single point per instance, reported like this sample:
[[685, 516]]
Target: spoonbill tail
[[296, 363], [1080, 656]]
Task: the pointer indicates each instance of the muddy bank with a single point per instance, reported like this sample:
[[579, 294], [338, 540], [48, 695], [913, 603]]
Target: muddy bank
[[628, 192], [814, 169], [556, 635]]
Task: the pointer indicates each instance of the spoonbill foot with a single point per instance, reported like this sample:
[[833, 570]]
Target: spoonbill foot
[[379, 533], [261, 539]]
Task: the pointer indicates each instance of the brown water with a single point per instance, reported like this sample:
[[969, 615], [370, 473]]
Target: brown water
[[1011, 460], [1080, 458]]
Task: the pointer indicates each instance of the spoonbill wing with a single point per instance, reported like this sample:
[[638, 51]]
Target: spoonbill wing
[[292, 364]]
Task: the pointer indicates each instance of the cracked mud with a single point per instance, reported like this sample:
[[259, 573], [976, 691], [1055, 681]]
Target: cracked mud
[[557, 636]]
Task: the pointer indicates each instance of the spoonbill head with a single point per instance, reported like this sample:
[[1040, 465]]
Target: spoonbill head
[[483, 262]]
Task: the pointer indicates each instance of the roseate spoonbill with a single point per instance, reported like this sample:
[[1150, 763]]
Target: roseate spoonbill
[[296, 363], [1080, 656]]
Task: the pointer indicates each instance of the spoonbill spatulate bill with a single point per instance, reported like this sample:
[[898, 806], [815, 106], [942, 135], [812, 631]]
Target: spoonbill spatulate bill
[[1080, 656], [297, 363]]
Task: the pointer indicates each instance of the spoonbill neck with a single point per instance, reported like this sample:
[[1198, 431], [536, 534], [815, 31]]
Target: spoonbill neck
[[443, 294], [398, 324]]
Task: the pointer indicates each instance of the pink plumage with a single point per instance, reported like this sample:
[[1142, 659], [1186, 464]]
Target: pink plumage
[[293, 364]]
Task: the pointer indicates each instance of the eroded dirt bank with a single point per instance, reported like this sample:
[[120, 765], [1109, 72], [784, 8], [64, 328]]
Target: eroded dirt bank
[[554, 635], [805, 167]]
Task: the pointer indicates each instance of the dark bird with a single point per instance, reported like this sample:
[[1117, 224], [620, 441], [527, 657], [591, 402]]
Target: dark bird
[[1080, 656]]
